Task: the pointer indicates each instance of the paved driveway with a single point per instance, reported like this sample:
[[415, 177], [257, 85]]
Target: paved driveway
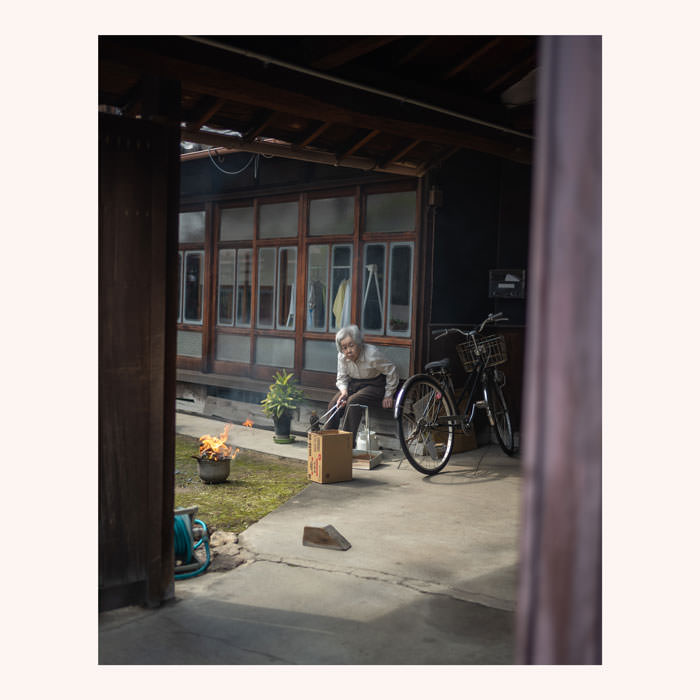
[[430, 578]]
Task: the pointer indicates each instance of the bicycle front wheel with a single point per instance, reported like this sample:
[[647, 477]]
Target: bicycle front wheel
[[499, 413], [425, 435]]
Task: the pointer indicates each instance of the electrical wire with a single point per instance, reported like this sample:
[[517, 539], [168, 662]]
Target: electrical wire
[[227, 172]]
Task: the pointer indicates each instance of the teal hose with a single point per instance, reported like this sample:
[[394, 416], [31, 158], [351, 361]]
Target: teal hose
[[183, 545]]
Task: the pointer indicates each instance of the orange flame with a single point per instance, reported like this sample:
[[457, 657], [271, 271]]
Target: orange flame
[[216, 448], [248, 423]]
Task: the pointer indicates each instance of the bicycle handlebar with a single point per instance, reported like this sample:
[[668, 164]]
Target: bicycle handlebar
[[491, 318]]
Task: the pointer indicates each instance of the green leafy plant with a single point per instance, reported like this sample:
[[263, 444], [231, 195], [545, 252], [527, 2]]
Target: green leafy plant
[[284, 395]]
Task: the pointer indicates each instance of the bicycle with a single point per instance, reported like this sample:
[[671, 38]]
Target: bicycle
[[425, 407]]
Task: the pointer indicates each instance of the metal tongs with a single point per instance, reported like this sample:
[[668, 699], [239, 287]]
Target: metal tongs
[[334, 409]]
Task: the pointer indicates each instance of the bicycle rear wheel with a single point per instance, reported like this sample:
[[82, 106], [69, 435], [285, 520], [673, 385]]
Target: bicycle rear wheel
[[425, 436], [499, 412]]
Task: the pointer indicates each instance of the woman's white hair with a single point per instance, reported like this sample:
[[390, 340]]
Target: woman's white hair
[[353, 332]]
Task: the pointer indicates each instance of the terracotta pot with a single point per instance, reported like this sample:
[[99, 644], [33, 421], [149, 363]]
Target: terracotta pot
[[214, 471]]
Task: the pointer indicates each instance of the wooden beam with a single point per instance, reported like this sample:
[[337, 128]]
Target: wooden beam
[[262, 125], [235, 87], [400, 154], [359, 143], [131, 102], [206, 109], [471, 58], [293, 152], [448, 153], [351, 51], [514, 74], [418, 48], [313, 134]]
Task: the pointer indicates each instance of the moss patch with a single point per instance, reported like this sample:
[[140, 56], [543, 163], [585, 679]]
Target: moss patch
[[256, 486]]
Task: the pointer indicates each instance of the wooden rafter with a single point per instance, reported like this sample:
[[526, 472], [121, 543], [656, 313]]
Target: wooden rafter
[[262, 124], [400, 154], [359, 143], [208, 106], [447, 153], [418, 48], [513, 75], [313, 134], [235, 87], [351, 51], [463, 65]]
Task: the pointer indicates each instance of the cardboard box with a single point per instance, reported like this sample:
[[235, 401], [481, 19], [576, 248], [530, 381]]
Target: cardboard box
[[462, 442], [330, 456]]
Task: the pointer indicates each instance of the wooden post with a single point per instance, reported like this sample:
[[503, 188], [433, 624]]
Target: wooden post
[[559, 597], [138, 218]]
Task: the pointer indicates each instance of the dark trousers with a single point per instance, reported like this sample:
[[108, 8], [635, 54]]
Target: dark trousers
[[366, 392]]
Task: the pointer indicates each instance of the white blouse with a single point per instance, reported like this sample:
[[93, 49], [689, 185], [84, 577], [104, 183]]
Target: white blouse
[[370, 364]]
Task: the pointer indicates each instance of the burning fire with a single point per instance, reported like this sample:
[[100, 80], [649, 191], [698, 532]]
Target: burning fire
[[216, 448], [248, 423]]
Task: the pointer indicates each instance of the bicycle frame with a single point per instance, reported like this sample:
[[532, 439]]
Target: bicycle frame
[[474, 379]]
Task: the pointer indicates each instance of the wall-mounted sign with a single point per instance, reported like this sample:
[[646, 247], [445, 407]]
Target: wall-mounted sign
[[507, 284]]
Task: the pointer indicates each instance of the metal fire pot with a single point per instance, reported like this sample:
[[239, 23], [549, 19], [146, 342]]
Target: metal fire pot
[[213, 471]]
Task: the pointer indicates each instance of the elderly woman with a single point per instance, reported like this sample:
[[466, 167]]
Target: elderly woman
[[365, 377]]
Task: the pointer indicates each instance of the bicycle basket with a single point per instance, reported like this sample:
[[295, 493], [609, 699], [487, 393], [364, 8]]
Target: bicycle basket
[[492, 348]]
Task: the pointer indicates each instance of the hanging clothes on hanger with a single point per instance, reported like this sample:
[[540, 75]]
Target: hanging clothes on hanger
[[312, 305], [319, 310], [345, 314], [338, 303]]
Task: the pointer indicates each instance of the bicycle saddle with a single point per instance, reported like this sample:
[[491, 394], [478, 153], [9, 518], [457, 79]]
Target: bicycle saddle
[[438, 364]]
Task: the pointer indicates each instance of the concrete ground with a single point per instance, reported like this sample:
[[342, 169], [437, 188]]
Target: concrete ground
[[430, 577]]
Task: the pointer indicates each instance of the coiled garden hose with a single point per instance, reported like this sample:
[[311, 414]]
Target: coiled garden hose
[[183, 545]]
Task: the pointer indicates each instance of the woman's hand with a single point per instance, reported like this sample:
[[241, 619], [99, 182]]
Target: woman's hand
[[342, 399], [388, 401]]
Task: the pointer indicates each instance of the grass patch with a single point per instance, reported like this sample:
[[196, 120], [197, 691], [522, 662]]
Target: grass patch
[[256, 486]]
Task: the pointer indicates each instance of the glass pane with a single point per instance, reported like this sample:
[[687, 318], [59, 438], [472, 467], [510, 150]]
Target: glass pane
[[341, 286], [191, 228], [277, 352], [393, 211], [320, 355], [373, 288], [332, 217], [266, 287], [236, 224], [400, 288], [227, 271], [279, 220], [244, 288], [189, 343], [401, 357], [233, 348], [316, 293], [194, 286], [179, 287], [287, 288]]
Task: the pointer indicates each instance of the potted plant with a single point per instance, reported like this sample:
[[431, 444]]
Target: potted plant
[[283, 397]]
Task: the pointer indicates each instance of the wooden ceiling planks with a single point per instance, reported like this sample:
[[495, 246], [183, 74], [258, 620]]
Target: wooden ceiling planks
[[231, 99], [351, 51]]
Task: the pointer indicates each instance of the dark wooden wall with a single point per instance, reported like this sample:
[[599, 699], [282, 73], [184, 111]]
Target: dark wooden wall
[[560, 593], [138, 205], [482, 224]]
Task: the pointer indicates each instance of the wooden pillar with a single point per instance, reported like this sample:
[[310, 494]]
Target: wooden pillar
[[559, 597], [138, 220]]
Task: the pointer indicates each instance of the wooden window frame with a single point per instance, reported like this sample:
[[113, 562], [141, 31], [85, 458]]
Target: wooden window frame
[[214, 205]]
